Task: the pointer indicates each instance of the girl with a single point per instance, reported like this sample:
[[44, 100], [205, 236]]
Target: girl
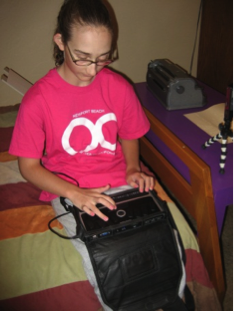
[[78, 127], [77, 112]]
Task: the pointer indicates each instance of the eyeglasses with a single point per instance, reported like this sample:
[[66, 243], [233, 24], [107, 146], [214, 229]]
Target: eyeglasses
[[88, 62]]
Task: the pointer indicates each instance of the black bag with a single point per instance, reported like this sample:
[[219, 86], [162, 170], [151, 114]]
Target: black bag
[[139, 262]]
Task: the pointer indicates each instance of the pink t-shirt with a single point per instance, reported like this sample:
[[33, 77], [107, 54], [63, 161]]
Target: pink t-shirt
[[78, 127]]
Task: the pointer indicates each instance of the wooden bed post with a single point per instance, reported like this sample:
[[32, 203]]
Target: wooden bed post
[[196, 197]]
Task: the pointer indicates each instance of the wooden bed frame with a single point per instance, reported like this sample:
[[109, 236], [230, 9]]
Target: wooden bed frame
[[196, 197]]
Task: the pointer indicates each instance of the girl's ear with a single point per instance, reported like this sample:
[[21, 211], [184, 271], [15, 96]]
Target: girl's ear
[[58, 40]]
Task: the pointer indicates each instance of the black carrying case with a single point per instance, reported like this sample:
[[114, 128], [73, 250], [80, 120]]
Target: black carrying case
[[141, 269]]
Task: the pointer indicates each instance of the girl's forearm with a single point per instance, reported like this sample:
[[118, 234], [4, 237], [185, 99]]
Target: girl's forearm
[[85, 199], [34, 172], [131, 153]]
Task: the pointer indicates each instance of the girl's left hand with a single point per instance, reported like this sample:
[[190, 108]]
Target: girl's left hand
[[141, 180]]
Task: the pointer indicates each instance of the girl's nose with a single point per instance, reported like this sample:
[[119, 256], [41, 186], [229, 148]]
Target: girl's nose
[[92, 69]]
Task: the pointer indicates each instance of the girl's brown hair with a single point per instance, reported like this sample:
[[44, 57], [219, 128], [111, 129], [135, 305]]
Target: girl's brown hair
[[80, 13]]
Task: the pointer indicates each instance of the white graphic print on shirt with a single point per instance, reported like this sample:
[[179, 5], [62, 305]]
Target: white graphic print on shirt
[[95, 131]]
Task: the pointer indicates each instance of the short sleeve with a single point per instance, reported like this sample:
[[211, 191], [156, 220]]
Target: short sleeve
[[28, 137], [134, 121]]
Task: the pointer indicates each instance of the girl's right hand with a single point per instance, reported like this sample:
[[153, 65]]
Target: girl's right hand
[[87, 199]]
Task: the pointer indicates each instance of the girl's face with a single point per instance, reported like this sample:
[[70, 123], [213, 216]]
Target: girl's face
[[87, 43]]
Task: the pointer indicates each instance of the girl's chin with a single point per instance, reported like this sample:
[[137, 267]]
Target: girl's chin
[[86, 79]]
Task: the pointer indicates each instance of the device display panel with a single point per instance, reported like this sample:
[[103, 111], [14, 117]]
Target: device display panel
[[126, 211]]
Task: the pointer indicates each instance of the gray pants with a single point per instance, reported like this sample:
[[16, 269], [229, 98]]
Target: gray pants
[[69, 225]]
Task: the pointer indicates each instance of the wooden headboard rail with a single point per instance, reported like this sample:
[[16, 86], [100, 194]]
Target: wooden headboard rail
[[196, 197]]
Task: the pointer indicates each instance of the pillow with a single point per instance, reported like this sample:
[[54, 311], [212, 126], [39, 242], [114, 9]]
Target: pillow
[[8, 116], [5, 135], [10, 108], [8, 119]]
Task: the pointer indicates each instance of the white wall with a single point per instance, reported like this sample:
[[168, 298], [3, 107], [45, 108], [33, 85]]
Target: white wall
[[148, 29]]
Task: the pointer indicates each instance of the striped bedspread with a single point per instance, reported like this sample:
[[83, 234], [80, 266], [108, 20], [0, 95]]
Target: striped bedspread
[[42, 272]]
